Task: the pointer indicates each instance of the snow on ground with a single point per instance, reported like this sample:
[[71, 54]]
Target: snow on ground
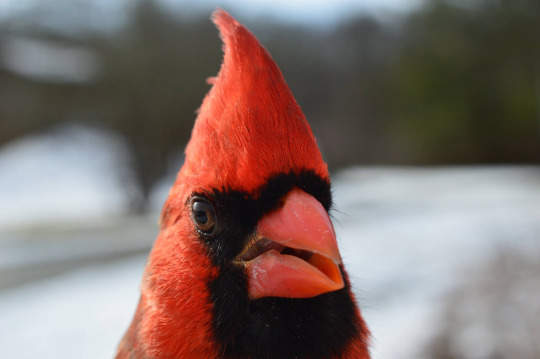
[[406, 236], [67, 174], [81, 314]]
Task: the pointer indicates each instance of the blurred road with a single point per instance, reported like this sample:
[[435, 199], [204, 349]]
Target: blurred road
[[36, 253]]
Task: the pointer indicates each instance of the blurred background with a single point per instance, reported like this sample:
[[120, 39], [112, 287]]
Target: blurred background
[[428, 113]]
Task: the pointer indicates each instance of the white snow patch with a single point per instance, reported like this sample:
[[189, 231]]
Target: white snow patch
[[406, 233], [78, 315], [48, 61], [68, 174]]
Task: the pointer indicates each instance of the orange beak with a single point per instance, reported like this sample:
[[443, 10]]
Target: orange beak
[[294, 253]]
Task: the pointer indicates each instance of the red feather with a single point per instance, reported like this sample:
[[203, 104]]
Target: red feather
[[249, 128], [249, 125]]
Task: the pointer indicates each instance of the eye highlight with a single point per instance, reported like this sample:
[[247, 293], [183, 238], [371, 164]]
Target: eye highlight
[[203, 215]]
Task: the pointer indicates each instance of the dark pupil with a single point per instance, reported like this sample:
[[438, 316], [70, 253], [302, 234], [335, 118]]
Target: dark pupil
[[201, 217]]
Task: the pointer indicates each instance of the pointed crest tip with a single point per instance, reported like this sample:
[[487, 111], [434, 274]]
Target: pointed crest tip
[[225, 23]]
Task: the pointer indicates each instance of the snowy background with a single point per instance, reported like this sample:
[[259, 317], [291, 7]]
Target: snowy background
[[70, 262], [97, 99]]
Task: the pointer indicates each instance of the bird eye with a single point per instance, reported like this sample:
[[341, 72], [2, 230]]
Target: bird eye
[[203, 215]]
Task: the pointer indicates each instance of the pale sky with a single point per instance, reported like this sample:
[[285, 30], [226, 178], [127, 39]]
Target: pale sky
[[303, 11], [299, 11]]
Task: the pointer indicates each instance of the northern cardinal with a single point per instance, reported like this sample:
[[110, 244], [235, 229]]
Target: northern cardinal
[[246, 264]]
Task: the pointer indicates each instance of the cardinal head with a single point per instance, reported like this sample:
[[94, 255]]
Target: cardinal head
[[246, 264]]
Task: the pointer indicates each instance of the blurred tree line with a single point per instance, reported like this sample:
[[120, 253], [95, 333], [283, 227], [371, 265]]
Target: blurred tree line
[[451, 82]]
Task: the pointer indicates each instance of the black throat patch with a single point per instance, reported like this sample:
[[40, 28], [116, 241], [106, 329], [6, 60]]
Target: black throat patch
[[271, 328]]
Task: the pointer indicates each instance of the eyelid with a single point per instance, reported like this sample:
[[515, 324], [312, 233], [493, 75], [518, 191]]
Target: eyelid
[[198, 195]]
